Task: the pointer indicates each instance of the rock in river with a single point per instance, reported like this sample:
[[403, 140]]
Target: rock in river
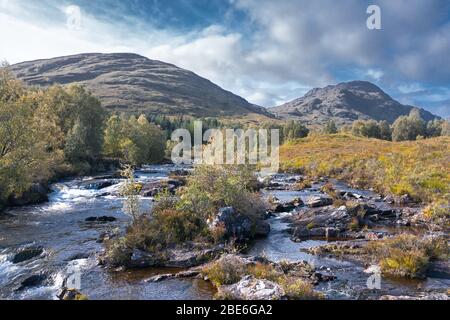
[[319, 201], [236, 225], [27, 254], [250, 288], [101, 219]]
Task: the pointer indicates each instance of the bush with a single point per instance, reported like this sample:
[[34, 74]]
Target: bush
[[407, 255], [118, 252], [264, 271], [225, 271], [178, 219], [409, 127], [298, 289]]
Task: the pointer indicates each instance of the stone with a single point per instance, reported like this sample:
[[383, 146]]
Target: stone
[[26, 254], [262, 229], [319, 201], [97, 184], [236, 225], [32, 281], [249, 288], [101, 219]]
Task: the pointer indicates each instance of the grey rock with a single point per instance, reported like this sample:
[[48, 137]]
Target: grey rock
[[249, 288], [319, 201], [26, 254]]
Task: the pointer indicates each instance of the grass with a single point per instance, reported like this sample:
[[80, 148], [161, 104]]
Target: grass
[[298, 289], [418, 168], [407, 255], [225, 271]]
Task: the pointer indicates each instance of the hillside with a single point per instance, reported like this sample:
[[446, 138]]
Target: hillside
[[132, 83], [345, 103], [418, 168]]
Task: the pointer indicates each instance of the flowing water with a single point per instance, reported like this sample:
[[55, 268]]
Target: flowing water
[[70, 242]]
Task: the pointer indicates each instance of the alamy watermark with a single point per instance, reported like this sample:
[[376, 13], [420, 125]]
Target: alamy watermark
[[228, 146], [73, 14], [374, 20]]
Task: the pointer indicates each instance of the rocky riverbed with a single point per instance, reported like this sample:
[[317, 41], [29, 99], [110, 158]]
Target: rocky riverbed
[[43, 246]]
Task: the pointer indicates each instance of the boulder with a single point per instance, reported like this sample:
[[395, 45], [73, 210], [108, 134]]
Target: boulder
[[26, 254], [97, 184], [249, 288], [319, 201], [236, 225], [32, 281], [103, 219], [185, 257]]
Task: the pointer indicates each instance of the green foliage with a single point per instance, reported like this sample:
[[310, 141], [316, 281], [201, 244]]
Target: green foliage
[[409, 127], [372, 129], [293, 130], [299, 289], [27, 144], [407, 255], [225, 271], [130, 190], [137, 141], [178, 219], [213, 187]]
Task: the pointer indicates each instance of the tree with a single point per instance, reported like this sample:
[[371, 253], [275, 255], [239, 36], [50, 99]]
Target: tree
[[130, 190], [75, 146], [294, 130], [330, 127], [434, 128], [408, 127], [113, 136], [372, 129], [25, 153], [445, 128], [385, 130]]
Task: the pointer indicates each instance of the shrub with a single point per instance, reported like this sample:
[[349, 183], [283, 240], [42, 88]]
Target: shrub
[[408, 127], [225, 271], [178, 219], [410, 264], [407, 255], [298, 289], [118, 252], [264, 271]]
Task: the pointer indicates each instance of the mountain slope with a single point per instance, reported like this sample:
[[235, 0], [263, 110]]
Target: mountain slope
[[345, 103], [132, 83]]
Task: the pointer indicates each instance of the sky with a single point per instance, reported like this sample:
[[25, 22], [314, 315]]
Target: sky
[[269, 52]]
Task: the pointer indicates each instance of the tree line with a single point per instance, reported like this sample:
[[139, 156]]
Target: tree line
[[405, 128], [64, 131]]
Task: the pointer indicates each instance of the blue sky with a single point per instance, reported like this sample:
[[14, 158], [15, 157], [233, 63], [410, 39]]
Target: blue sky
[[267, 51]]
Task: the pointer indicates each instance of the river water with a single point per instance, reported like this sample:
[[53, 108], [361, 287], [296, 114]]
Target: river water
[[69, 243]]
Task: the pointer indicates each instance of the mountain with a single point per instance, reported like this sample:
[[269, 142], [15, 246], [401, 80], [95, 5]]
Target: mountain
[[133, 83], [345, 103]]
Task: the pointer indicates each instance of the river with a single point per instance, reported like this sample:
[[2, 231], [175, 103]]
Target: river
[[69, 241]]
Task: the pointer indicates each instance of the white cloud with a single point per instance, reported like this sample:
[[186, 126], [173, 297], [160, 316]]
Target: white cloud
[[293, 46], [375, 74]]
